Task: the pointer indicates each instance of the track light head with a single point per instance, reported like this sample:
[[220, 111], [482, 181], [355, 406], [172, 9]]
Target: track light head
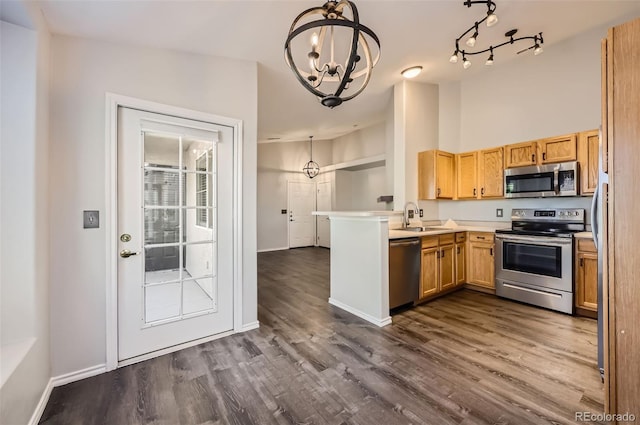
[[492, 19], [454, 57], [466, 64]]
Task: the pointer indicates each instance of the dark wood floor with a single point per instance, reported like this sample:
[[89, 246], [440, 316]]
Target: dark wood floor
[[468, 358]]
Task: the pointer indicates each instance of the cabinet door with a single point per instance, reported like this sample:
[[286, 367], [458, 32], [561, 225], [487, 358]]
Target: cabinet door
[[491, 173], [481, 265], [520, 154], [587, 281], [557, 149], [447, 270], [588, 159], [429, 275], [461, 275], [445, 172], [467, 175]]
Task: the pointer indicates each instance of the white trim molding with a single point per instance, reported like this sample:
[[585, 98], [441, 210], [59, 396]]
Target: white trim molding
[[250, 326], [42, 403], [273, 249], [78, 375], [378, 322], [112, 102]]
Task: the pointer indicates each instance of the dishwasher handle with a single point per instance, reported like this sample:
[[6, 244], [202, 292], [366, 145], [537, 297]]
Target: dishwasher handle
[[405, 243]]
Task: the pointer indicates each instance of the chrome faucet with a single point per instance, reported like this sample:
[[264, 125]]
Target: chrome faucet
[[405, 214]]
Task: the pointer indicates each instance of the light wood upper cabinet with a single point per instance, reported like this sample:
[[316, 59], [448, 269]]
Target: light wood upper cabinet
[[520, 154], [436, 175], [490, 174], [557, 149], [588, 150], [467, 175]]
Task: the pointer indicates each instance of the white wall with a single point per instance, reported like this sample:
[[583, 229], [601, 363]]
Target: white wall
[[24, 223], [279, 163], [82, 72], [523, 98], [363, 143]]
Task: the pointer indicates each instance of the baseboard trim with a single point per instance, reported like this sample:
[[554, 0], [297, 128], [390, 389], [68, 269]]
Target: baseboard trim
[[68, 378], [44, 399], [378, 322], [250, 326], [273, 249]]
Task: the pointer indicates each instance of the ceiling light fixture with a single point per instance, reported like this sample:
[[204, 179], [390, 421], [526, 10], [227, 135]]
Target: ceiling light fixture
[[326, 77], [311, 168], [491, 19], [412, 72]]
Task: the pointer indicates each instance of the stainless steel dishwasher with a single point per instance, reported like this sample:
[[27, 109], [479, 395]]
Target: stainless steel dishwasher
[[404, 271]]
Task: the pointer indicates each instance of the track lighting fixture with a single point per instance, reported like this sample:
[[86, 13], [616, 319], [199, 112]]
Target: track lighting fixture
[[491, 19]]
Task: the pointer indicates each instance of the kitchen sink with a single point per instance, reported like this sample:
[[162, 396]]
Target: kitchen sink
[[420, 229]]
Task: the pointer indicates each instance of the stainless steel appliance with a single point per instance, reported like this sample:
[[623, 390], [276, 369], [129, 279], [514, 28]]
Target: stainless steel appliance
[[534, 260], [542, 181], [404, 271], [597, 227]]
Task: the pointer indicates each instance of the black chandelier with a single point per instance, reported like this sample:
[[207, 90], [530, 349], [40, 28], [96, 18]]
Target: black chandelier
[[331, 33], [491, 19], [311, 168]]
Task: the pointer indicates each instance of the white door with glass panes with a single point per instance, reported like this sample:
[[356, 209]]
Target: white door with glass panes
[[175, 229]]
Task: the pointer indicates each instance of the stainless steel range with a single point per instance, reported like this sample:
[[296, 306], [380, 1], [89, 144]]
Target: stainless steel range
[[534, 260]]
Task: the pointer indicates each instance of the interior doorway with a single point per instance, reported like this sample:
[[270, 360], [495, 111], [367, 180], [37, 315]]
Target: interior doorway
[[301, 202]]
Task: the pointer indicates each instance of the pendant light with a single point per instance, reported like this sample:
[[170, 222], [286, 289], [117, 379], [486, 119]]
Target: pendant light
[[311, 168], [316, 63]]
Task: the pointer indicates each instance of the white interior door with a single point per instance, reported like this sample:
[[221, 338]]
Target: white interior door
[[322, 222], [175, 228], [302, 225]]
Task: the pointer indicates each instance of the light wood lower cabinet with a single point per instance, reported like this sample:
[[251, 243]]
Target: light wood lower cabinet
[[447, 267], [429, 276], [461, 258], [481, 262], [586, 278], [438, 265]]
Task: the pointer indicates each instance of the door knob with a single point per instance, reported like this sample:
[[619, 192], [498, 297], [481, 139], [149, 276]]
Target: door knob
[[125, 253]]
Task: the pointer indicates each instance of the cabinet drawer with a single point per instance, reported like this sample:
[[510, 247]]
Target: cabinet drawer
[[446, 239], [481, 237], [461, 237], [429, 242], [586, 245]]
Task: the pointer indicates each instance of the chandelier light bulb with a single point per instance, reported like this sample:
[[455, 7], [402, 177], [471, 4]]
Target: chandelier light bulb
[[492, 19], [466, 64], [314, 40], [537, 50], [454, 58]]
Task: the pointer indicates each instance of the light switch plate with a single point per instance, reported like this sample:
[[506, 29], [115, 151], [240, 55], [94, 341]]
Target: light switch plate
[[498, 212], [91, 219]]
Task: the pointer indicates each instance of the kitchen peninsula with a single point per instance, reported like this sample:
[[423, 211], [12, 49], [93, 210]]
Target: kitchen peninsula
[[360, 263]]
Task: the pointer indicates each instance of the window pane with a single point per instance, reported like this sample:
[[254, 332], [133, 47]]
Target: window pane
[[161, 188], [162, 302], [161, 150], [198, 192], [199, 295], [161, 225], [197, 154], [196, 228], [199, 260]]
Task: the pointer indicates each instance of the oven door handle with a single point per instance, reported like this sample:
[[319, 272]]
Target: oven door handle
[[556, 180], [537, 240]]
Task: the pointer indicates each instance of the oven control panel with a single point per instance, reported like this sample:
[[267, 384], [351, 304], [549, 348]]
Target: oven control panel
[[552, 214]]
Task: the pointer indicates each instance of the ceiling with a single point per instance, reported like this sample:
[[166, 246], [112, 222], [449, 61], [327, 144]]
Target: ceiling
[[411, 33]]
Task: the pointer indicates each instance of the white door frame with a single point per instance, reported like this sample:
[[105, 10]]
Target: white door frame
[[113, 101]]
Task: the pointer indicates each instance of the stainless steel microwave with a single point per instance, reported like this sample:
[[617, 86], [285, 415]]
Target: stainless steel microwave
[[542, 181]]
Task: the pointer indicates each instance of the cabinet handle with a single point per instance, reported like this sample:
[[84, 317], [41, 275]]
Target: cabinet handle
[[480, 237], [438, 191], [582, 262], [458, 250], [482, 191], [474, 191], [544, 156], [533, 157], [442, 256], [491, 252]]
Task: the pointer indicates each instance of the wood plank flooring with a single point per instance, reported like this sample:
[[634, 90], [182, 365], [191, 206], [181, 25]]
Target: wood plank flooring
[[468, 358]]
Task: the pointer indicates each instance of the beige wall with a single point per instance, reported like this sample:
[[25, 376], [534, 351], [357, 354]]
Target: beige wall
[[82, 72]]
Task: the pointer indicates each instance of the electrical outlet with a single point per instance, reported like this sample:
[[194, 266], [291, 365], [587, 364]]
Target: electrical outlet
[[283, 211], [498, 212], [421, 213]]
